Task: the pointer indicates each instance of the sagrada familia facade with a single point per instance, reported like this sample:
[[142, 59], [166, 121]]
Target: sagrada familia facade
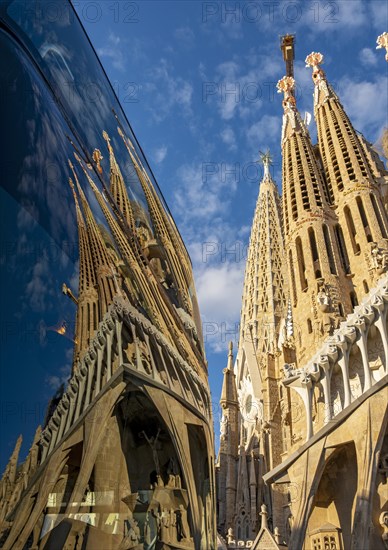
[[126, 456], [303, 459]]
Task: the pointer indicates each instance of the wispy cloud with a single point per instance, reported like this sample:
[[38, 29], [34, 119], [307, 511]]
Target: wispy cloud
[[160, 154], [113, 51], [39, 288], [169, 92], [358, 97], [265, 132], [228, 137], [219, 291], [63, 373], [185, 36], [368, 57]]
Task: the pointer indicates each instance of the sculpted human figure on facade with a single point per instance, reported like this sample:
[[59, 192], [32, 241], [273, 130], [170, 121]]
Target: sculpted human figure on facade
[[230, 536], [182, 525], [152, 442], [323, 296], [165, 525], [147, 530], [173, 535], [224, 427], [379, 258], [174, 479], [383, 520]]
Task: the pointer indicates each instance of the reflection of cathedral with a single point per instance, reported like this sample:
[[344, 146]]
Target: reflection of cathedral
[[126, 458], [303, 445]]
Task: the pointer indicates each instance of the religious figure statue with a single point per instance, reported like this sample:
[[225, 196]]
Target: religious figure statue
[[224, 426], [147, 530], [383, 520], [182, 525], [230, 536], [323, 297], [152, 442], [379, 258], [165, 525]]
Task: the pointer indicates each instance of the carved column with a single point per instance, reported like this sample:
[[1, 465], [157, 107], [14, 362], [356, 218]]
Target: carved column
[[325, 381], [72, 391], [362, 344], [81, 389]]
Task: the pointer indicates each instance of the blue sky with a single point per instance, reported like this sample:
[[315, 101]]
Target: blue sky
[[197, 82]]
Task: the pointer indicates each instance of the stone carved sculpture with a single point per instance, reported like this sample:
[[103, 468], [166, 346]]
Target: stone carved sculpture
[[379, 258], [152, 442], [323, 297], [383, 520], [230, 536]]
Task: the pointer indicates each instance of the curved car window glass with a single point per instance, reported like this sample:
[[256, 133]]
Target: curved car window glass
[[69, 63]]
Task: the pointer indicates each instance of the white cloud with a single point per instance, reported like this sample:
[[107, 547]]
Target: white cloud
[[368, 57], [63, 374], [229, 138], [160, 154], [185, 36], [39, 288], [366, 104], [264, 132], [169, 92], [238, 92], [205, 189], [219, 290], [113, 50]]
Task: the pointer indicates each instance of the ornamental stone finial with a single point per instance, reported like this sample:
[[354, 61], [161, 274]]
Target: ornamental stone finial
[[264, 517], [382, 42], [97, 157], [287, 86], [314, 59]]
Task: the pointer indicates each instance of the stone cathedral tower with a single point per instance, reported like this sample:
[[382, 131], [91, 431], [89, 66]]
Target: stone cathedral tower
[[304, 466]]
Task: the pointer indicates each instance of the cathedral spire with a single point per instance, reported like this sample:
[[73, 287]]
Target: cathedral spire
[[176, 255], [87, 318], [117, 186], [102, 260], [353, 178], [11, 468], [264, 299], [312, 247], [343, 155], [148, 292], [154, 201], [229, 391], [227, 459]]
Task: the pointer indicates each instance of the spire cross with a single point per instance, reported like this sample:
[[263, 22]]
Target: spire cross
[[266, 160]]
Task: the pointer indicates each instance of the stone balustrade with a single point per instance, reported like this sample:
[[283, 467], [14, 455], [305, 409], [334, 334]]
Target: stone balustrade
[[124, 339], [333, 367]]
